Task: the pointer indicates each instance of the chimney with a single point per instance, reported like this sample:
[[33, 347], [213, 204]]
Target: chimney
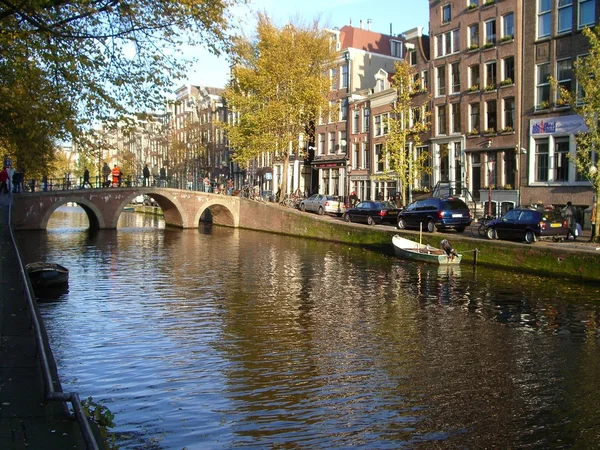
[[361, 24], [369, 24], [391, 29]]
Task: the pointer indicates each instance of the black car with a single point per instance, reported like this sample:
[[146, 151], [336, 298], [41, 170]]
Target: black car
[[436, 212], [527, 225], [372, 212]]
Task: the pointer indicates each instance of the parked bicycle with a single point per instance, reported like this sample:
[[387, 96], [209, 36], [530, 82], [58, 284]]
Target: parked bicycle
[[480, 229]]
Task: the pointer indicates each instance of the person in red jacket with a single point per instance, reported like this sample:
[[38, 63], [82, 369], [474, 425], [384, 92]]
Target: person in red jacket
[[4, 181], [116, 173]]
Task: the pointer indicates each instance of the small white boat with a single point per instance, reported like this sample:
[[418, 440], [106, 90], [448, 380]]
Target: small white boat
[[415, 251]]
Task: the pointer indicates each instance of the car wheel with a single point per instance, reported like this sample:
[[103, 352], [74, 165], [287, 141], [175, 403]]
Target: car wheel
[[430, 226], [347, 218], [401, 224], [490, 233], [320, 211], [302, 207], [460, 229], [529, 237], [370, 220]]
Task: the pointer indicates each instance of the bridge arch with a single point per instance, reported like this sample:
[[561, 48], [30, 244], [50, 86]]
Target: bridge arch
[[173, 211], [93, 213], [220, 212]]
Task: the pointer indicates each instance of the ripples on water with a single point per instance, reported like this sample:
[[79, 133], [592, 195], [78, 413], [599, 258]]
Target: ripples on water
[[224, 338]]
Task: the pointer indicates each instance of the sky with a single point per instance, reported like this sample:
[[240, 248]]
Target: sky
[[403, 15]]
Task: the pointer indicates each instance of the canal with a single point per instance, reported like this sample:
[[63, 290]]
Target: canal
[[220, 338]]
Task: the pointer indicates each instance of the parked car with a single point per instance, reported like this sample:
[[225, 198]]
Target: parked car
[[528, 225], [436, 212], [138, 200], [372, 212], [322, 204]]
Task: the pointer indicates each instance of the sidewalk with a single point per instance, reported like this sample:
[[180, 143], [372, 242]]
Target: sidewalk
[[26, 422]]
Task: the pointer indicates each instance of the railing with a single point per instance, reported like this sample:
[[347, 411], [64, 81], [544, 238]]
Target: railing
[[50, 393]]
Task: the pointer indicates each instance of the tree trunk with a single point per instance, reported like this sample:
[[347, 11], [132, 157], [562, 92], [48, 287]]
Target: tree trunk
[[284, 178], [595, 225]]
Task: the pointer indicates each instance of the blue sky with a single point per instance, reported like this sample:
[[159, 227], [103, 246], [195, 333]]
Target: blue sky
[[402, 14]]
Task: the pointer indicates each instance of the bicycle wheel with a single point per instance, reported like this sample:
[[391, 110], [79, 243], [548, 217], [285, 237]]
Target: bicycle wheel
[[482, 229]]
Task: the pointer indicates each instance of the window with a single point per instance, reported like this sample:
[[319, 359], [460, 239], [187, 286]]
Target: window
[[425, 79], [344, 80], [565, 16], [564, 74], [541, 160], [587, 12], [509, 113], [416, 116], [441, 80], [396, 49], [508, 26], [455, 85], [447, 43], [343, 142], [355, 120], [344, 109], [474, 36], [334, 79], [455, 117], [490, 75], [332, 142], [446, 13], [441, 119], [380, 157], [490, 116], [474, 76], [474, 118], [543, 86], [366, 120], [509, 68], [378, 128], [321, 143], [490, 32], [544, 21], [413, 58], [355, 155], [380, 84], [561, 160], [366, 156]]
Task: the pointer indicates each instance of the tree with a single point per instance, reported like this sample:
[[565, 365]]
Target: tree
[[586, 103], [64, 63], [404, 128], [278, 89]]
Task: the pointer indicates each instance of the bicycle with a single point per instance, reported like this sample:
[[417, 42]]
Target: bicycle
[[481, 228]]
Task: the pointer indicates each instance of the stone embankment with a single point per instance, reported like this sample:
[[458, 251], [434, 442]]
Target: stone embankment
[[577, 260]]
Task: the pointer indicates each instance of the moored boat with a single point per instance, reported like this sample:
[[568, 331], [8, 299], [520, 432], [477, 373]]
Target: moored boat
[[415, 251], [45, 275]]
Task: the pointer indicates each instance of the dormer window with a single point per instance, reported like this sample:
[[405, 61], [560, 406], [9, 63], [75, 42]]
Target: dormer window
[[396, 49], [446, 13], [380, 85]]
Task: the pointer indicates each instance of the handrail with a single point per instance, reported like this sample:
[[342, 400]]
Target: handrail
[[50, 393]]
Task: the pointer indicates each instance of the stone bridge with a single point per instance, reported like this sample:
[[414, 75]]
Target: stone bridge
[[181, 208]]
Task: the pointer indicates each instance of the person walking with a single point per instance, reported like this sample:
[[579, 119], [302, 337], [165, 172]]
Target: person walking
[[568, 213], [116, 172], [106, 174], [17, 181], [163, 177], [146, 173], [86, 179], [4, 181]]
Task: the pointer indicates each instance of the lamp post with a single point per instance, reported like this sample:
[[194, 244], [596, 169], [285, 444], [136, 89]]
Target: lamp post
[[490, 166]]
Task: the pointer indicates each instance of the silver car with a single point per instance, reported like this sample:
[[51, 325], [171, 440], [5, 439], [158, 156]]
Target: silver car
[[322, 204]]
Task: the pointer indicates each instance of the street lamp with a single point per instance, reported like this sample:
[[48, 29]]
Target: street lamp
[[490, 166]]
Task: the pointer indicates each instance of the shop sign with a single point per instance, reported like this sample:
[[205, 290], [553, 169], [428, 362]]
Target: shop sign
[[359, 177], [268, 176], [557, 125], [328, 165]]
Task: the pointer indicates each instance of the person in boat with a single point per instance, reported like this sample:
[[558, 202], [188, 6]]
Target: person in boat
[[450, 252]]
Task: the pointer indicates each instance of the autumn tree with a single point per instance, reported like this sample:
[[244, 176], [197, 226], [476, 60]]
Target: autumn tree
[[404, 130], [278, 89], [65, 63], [586, 103]]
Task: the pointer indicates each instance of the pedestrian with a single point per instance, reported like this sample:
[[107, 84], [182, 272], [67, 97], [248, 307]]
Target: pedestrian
[[11, 172], [568, 213], [86, 179], [353, 199], [4, 181], [120, 178], [115, 175], [17, 181], [163, 177], [106, 174], [593, 220], [146, 173], [229, 186]]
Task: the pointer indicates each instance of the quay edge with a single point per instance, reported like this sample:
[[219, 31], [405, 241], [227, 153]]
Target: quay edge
[[541, 258]]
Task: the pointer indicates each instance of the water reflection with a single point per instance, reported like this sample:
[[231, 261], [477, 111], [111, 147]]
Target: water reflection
[[220, 338]]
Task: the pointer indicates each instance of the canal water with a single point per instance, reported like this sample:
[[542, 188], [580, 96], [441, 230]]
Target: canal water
[[219, 338]]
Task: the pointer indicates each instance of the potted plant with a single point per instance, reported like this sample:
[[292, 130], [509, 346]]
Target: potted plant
[[488, 45], [543, 105], [473, 132], [473, 88], [506, 82], [472, 6], [489, 131], [473, 47], [507, 130], [490, 87]]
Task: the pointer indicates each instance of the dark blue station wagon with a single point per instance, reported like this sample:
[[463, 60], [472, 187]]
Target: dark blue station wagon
[[435, 212]]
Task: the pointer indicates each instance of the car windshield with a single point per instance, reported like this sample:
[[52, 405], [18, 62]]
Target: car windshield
[[331, 197], [386, 205], [453, 204]]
